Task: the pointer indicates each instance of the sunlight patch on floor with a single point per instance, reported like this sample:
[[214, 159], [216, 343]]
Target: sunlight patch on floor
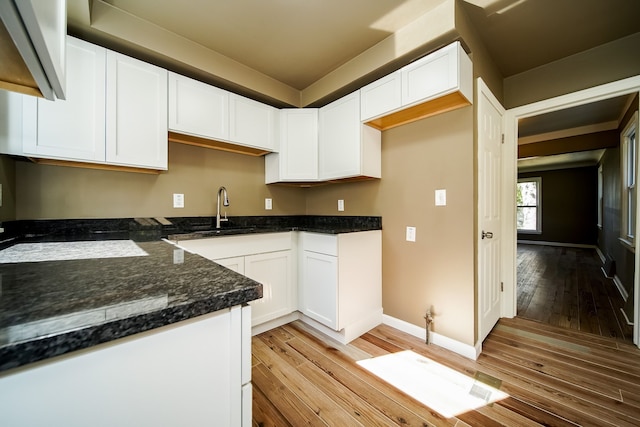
[[442, 389]]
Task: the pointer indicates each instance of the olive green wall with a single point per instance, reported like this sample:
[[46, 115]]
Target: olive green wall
[[53, 192], [8, 181], [437, 271]]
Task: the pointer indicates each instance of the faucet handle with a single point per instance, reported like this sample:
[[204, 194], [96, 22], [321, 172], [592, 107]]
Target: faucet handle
[[225, 218]]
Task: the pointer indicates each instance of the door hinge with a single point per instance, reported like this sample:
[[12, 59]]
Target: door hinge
[[501, 286], [503, 138]]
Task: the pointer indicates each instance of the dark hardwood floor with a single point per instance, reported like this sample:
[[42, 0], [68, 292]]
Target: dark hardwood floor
[[565, 287], [553, 377]]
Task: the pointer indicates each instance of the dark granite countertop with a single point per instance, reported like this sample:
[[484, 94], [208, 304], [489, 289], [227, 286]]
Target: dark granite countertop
[[50, 308], [55, 307]]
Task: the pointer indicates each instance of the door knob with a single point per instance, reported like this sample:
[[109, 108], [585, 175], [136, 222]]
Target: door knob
[[487, 234]]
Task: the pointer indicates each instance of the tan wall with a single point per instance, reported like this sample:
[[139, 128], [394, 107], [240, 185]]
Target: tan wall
[[604, 64], [438, 269], [52, 192], [8, 181]]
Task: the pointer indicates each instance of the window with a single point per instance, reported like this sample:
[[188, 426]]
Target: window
[[529, 209], [629, 150], [600, 196]]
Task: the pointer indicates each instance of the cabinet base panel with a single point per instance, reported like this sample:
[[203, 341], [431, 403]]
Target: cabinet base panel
[[350, 332]]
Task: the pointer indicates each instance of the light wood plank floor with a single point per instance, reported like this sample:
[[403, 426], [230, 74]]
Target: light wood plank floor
[[554, 377], [565, 287]]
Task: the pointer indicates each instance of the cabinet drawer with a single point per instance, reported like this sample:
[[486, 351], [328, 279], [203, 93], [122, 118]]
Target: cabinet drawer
[[320, 243]]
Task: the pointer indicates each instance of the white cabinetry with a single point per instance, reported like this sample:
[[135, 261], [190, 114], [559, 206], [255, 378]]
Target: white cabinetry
[[73, 129], [381, 96], [141, 380], [341, 281], [265, 258], [252, 123], [115, 112], [347, 148], [439, 82], [198, 109], [11, 123], [136, 113], [297, 157]]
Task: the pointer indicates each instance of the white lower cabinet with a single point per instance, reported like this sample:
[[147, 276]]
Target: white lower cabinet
[[319, 297], [341, 281], [192, 373], [265, 258], [273, 270]]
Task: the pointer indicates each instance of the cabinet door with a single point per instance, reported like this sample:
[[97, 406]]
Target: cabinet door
[[252, 123], [136, 113], [381, 96], [319, 291], [236, 263], [299, 144], [72, 129], [273, 270], [339, 147], [11, 122], [430, 76], [196, 108]]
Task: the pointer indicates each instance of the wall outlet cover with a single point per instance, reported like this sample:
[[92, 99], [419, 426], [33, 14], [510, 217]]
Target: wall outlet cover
[[411, 234], [340, 205], [268, 204], [178, 200], [441, 197]]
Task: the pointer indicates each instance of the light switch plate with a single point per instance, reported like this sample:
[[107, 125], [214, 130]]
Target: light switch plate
[[268, 204], [441, 197], [178, 200], [340, 205], [411, 234]]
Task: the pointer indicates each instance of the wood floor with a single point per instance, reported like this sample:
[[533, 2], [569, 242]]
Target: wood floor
[[565, 287], [554, 377]]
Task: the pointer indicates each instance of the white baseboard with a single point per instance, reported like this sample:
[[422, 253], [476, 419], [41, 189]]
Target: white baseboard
[[601, 255], [620, 286], [629, 322], [566, 245], [468, 351]]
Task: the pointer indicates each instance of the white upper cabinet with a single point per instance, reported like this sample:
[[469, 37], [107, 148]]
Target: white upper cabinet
[[136, 113], [198, 109], [381, 96], [347, 148], [441, 81], [297, 158], [11, 123], [436, 74], [72, 129], [252, 123]]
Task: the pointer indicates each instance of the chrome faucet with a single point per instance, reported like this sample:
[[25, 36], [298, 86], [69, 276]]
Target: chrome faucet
[[225, 202]]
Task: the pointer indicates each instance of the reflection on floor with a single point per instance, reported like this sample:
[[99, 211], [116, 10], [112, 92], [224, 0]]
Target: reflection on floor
[[565, 287]]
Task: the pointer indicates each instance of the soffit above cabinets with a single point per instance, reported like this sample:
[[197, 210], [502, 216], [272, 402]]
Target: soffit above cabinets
[[299, 53]]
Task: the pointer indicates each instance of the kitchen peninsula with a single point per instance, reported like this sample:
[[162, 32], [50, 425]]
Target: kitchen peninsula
[[139, 327]]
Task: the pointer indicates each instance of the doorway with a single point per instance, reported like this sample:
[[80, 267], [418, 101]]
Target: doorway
[[514, 118]]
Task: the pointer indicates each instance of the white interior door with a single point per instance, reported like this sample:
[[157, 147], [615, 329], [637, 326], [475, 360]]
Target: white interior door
[[490, 129]]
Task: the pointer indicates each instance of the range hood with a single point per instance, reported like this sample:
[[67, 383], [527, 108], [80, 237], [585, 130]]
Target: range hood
[[32, 47]]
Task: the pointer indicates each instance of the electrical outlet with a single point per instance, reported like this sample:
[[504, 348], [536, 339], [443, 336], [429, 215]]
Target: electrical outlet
[[268, 204], [341, 205], [178, 200], [411, 234], [441, 197]]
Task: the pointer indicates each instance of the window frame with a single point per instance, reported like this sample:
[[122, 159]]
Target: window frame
[[538, 206], [628, 182]]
